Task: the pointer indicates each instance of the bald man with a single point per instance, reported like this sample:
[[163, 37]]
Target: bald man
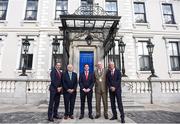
[[101, 90], [113, 77], [69, 87]]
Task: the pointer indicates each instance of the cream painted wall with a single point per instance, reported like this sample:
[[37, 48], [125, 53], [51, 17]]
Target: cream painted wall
[[45, 26]]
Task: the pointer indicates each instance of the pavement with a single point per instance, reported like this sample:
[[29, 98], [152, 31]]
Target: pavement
[[151, 113]]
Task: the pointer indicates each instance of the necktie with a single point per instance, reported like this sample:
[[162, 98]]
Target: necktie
[[59, 74], [86, 75], [112, 73], [70, 76]]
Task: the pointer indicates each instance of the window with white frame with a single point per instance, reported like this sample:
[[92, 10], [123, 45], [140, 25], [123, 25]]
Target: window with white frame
[[116, 59], [168, 13], [139, 12], [83, 2], [3, 9], [116, 56], [27, 58], [58, 56], [143, 56], [31, 10], [0, 53], [61, 8], [111, 7], [174, 52]]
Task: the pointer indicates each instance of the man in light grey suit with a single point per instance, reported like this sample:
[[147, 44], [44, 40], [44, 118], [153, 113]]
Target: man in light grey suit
[[101, 90]]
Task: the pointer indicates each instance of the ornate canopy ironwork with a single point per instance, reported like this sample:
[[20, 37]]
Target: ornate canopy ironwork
[[90, 9], [90, 19]]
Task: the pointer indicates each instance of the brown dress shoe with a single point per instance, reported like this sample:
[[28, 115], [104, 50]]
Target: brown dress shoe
[[65, 117]]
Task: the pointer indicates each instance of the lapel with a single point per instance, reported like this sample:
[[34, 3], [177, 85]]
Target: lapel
[[112, 77], [88, 75], [58, 75]]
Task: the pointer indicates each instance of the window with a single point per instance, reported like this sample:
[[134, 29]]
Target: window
[[174, 56], [111, 7], [143, 56], [139, 12], [58, 55], [116, 59], [83, 2], [27, 59], [61, 8], [3, 9], [1, 52], [59, 58], [87, 7], [168, 14], [31, 10]]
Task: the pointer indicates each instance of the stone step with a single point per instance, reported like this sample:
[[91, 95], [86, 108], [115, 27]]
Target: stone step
[[94, 100], [127, 105]]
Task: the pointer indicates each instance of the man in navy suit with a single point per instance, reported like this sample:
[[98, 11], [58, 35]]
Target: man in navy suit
[[86, 83], [69, 91], [55, 92], [114, 84]]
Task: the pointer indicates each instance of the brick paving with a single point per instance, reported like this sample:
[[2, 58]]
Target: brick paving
[[33, 114]]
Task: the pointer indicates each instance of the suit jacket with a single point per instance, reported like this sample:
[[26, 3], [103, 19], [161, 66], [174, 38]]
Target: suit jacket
[[115, 80], [67, 83], [56, 80], [83, 83], [100, 86]]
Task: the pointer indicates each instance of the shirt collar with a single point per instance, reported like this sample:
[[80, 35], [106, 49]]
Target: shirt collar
[[57, 70], [69, 72], [113, 70]]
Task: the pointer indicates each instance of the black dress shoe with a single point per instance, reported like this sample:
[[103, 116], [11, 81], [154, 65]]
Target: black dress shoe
[[91, 117], [113, 118], [50, 119], [97, 116], [106, 117], [57, 117], [122, 121], [72, 117], [81, 117]]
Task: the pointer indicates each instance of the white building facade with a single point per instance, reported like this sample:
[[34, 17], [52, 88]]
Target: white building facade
[[140, 22]]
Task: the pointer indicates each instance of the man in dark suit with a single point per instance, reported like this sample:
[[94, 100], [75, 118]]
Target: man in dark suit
[[55, 92], [86, 82], [114, 84], [69, 91]]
